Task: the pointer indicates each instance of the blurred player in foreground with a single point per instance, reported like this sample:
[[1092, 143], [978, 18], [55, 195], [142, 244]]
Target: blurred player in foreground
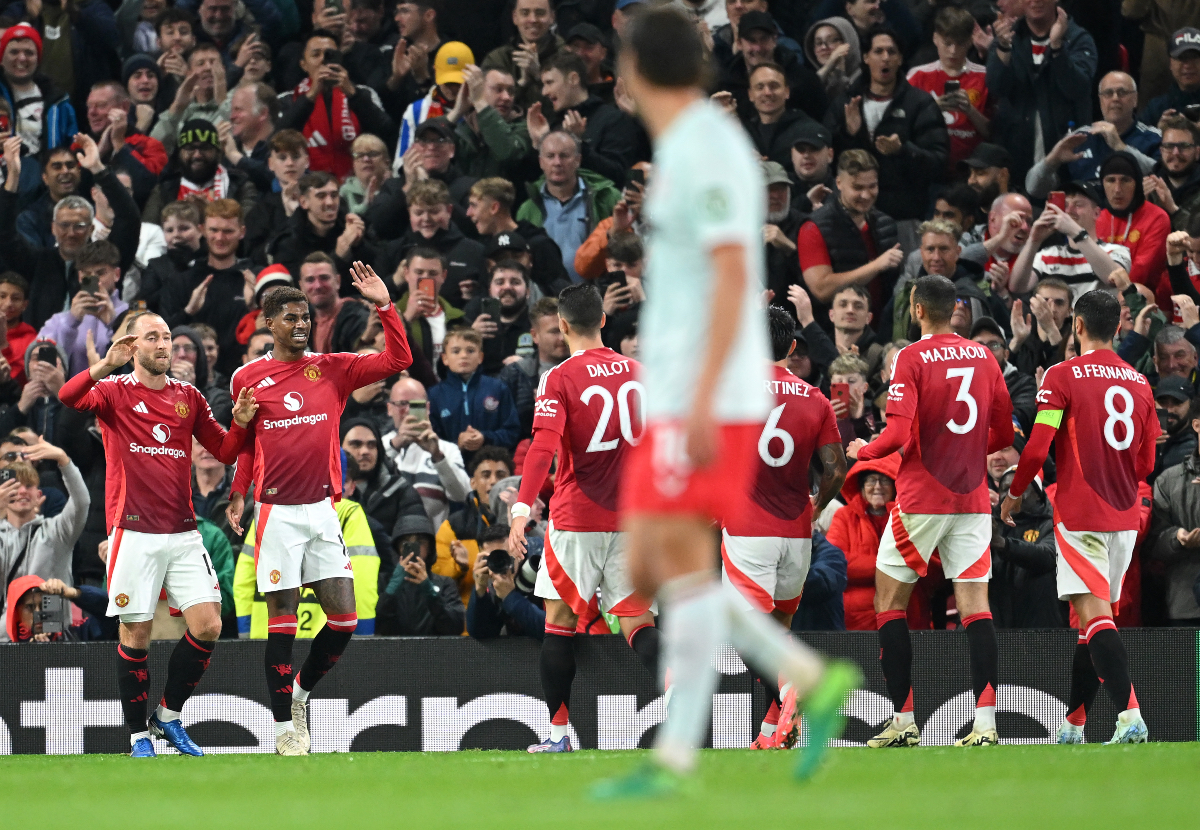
[[705, 357], [590, 409], [294, 458], [948, 409], [147, 421], [1105, 410]]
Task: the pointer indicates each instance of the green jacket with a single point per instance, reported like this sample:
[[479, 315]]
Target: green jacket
[[221, 554], [601, 194], [496, 150]]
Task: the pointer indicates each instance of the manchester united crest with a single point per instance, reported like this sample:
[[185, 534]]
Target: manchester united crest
[[1032, 535], [182, 410], [274, 577], [312, 373], [122, 600]]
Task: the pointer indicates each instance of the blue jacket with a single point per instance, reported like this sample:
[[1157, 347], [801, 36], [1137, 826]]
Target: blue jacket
[[59, 125], [821, 607], [482, 402], [1142, 137], [487, 616]]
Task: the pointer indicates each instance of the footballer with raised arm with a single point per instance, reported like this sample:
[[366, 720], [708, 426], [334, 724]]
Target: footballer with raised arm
[[1103, 411], [948, 409], [147, 421], [590, 410], [293, 458]]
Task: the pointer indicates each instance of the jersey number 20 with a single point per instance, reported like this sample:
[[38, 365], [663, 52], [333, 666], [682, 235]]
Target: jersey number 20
[[625, 417]]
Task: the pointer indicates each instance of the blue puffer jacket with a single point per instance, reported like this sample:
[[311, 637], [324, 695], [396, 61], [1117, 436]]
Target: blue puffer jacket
[[482, 402]]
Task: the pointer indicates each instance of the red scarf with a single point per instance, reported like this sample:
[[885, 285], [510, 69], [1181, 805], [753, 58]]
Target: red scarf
[[329, 134]]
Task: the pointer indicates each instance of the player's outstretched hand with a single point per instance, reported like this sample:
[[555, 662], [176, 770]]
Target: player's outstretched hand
[[368, 283], [1008, 507], [854, 447], [245, 408], [120, 352], [516, 535], [234, 512]]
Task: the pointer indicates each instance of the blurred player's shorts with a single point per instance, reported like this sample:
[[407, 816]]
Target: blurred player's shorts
[[767, 571], [659, 477]]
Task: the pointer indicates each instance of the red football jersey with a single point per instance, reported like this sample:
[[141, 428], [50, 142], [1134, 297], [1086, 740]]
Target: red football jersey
[[293, 453], [778, 503], [964, 138], [1108, 425], [954, 392], [595, 402], [147, 435]]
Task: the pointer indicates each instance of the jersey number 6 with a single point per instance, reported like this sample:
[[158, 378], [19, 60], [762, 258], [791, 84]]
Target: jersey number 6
[[623, 414], [772, 430]]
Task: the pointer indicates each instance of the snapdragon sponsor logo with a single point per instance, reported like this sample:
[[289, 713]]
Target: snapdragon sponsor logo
[[173, 452], [292, 422]]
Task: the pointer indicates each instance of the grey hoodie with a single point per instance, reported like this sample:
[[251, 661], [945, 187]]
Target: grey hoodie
[[837, 81], [48, 543]]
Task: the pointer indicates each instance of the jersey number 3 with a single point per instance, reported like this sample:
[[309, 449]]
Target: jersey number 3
[[964, 395], [624, 415]]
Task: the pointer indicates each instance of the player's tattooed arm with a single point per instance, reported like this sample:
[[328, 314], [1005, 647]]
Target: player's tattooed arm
[[833, 474], [245, 408], [120, 352]]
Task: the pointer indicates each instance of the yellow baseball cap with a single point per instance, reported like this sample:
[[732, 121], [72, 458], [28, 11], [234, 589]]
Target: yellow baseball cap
[[451, 59]]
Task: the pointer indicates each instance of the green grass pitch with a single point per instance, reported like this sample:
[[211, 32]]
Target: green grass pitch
[[1151, 786]]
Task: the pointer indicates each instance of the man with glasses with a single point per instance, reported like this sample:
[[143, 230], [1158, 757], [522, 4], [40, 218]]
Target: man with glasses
[[50, 270], [61, 175], [1022, 388], [1078, 156], [434, 466], [1175, 183]]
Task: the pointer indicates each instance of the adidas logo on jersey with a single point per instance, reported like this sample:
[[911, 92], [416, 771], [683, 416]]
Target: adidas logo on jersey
[[265, 382], [141, 407]]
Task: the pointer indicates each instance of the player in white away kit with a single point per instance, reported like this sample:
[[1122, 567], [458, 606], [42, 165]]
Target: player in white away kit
[[147, 421], [767, 546], [704, 353], [294, 458], [948, 409], [1105, 409], [590, 410]]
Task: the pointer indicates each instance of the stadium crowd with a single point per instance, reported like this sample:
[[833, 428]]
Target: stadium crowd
[[188, 158]]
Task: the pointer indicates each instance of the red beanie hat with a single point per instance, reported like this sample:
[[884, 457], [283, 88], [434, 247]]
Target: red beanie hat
[[22, 31]]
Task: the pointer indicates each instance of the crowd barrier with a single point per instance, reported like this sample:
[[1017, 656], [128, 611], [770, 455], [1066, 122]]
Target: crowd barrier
[[444, 694]]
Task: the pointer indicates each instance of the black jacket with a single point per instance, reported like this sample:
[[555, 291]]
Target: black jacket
[[267, 220], [465, 257], [1022, 388], [224, 305], [775, 140], [612, 141], [548, 270], [844, 241], [163, 271], [240, 188], [808, 92], [507, 338], [783, 265], [301, 239], [1023, 592], [431, 609], [904, 177], [51, 279]]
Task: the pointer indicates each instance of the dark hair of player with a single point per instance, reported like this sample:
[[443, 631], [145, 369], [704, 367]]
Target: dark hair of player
[[582, 307], [782, 328], [490, 453], [667, 48], [275, 300], [936, 295], [493, 533], [1101, 314]]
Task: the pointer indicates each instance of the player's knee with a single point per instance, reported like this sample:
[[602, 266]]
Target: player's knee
[[136, 634], [207, 630]]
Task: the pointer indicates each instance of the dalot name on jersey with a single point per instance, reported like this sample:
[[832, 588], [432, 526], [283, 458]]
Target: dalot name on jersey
[[608, 370], [954, 353]]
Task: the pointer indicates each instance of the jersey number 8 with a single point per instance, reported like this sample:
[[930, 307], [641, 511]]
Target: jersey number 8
[[1124, 417], [624, 415]]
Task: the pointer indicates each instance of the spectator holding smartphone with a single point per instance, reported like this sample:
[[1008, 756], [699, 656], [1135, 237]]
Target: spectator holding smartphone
[[848, 395]]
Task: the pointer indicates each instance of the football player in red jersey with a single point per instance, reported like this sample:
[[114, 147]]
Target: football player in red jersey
[[293, 456], [1106, 409], [766, 546], [589, 410], [147, 421], [948, 408]]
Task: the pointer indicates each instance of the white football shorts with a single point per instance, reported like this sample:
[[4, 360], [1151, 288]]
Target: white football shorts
[[140, 565], [962, 540], [298, 544]]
